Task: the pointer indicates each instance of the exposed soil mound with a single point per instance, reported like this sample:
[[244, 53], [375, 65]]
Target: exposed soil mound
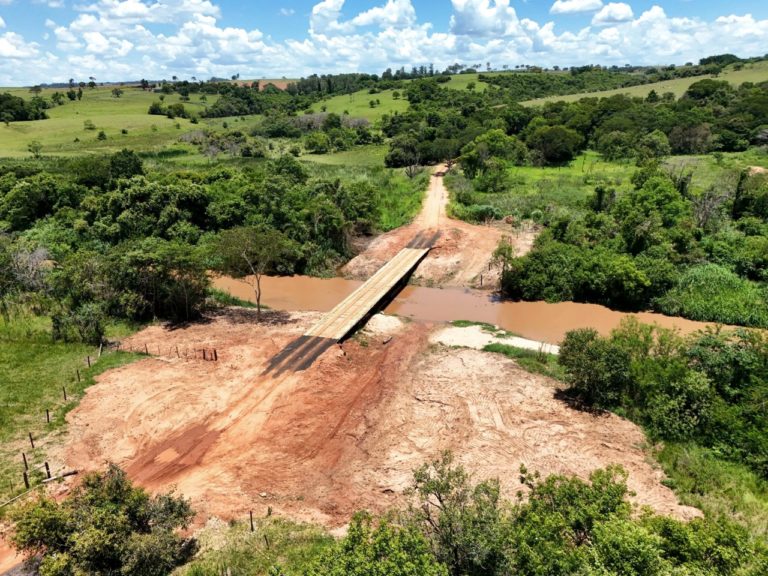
[[341, 436]]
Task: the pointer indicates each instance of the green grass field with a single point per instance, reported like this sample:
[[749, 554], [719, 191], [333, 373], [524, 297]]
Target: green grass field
[[358, 105], [537, 188], [372, 155], [112, 115], [757, 72], [461, 81], [33, 371]]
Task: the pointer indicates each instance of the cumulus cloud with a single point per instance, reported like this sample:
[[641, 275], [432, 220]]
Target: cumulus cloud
[[2, 22], [123, 39], [573, 6], [613, 13], [13, 47], [483, 18]]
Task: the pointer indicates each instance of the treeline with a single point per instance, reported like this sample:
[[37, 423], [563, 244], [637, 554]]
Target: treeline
[[711, 116], [535, 84], [453, 526], [703, 256], [17, 109], [94, 237]]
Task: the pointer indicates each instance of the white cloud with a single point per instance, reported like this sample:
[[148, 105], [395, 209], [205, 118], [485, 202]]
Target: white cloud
[[613, 13], [483, 18], [2, 22], [126, 39], [572, 6], [13, 47], [287, 11], [395, 13]]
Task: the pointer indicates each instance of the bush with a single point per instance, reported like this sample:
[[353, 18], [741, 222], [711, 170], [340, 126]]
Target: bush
[[712, 293], [107, 526]]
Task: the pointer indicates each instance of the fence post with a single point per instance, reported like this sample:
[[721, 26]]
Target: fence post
[[31, 440], [63, 389], [78, 374], [146, 349], [48, 415], [26, 479], [47, 470], [252, 527], [88, 358], [24, 457]]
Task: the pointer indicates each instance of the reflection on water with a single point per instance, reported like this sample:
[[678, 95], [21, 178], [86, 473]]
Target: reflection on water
[[535, 320]]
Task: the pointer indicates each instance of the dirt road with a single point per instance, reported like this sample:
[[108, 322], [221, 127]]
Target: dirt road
[[459, 257], [345, 434]]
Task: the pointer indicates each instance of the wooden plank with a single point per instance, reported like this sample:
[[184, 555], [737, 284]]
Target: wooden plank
[[348, 313]]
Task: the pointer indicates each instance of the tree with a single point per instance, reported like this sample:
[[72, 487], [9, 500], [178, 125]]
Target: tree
[[378, 549], [251, 252], [117, 92], [107, 526], [35, 148], [556, 144]]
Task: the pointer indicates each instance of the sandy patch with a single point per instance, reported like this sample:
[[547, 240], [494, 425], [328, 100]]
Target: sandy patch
[[477, 337]]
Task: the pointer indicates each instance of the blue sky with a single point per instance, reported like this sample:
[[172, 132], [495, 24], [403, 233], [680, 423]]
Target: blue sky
[[54, 40]]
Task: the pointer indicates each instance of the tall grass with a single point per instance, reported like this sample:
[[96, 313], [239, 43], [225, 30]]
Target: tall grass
[[709, 292], [274, 542], [33, 371], [716, 487], [398, 197]]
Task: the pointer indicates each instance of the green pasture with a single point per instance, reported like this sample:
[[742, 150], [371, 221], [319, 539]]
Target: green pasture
[[541, 188], [461, 81], [33, 371], [358, 104], [372, 155], [58, 134], [757, 72]]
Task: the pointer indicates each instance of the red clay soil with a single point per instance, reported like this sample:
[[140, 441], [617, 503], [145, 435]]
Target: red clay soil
[[461, 254], [341, 436]]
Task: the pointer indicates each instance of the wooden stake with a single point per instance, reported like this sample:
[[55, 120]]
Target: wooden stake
[[47, 470], [89, 361], [204, 355], [26, 479], [63, 389], [177, 352], [48, 415], [31, 440], [78, 374], [24, 457], [100, 348], [252, 527], [215, 355], [146, 350]]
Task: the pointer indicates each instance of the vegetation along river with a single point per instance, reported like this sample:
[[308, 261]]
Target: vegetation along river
[[540, 321]]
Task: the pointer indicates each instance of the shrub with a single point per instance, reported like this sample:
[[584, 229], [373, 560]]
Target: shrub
[[709, 292]]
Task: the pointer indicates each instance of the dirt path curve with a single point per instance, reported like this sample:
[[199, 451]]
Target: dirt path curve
[[460, 256]]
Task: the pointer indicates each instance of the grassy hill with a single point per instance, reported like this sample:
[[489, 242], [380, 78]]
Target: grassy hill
[[112, 115], [358, 104], [757, 72]]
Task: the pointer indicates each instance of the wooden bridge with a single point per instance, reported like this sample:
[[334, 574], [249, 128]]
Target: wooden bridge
[[353, 310]]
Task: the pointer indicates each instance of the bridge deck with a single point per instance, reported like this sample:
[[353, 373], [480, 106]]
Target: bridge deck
[[350, 311], [339, 322]]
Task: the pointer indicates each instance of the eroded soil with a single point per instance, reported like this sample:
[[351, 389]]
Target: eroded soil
[[341, 436]]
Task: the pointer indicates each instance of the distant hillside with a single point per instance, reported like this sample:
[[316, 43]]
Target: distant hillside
[[757, 72]]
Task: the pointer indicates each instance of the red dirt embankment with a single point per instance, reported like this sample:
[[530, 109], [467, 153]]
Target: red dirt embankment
[[341, 436]]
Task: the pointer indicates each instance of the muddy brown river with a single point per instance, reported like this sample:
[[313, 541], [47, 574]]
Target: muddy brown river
[[540, 321]]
